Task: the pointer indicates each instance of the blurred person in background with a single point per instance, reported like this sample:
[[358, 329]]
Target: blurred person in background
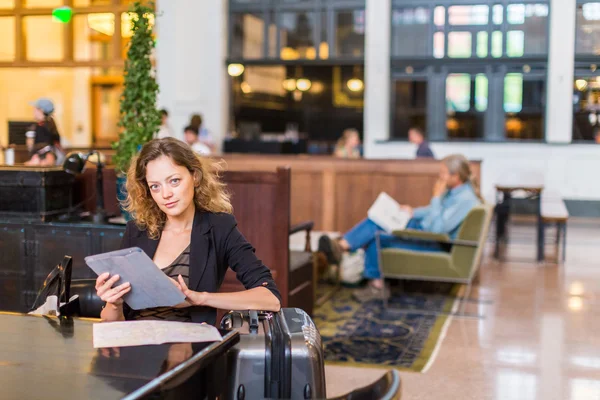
[[204, 135], [348, 146], [190, 136], [44, 131], [164, 130], [417, 136]]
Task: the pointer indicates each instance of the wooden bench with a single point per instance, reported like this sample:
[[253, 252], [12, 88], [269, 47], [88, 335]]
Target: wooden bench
[[554, 211]]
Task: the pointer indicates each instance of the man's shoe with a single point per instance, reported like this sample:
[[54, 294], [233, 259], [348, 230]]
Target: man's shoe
[[331, 248], [370, 292]]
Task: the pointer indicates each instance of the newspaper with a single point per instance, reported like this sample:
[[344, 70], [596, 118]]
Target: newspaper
[[137, 333], [386, 213]]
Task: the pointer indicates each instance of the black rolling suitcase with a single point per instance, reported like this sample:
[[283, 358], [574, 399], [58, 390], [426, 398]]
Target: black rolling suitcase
[[279, 356]]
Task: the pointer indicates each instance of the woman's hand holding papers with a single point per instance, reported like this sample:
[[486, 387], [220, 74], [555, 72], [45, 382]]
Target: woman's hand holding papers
[[407, 209]]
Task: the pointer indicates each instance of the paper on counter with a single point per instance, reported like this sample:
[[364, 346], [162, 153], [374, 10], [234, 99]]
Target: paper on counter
[[138, 333]]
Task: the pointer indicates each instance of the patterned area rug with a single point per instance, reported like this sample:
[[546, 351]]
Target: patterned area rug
[[367, 335]]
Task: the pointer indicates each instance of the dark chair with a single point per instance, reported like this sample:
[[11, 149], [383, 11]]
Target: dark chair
[[90, 305]]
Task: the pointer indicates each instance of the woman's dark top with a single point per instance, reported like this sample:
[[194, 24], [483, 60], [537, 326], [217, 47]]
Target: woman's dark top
[[42, 133], [216, 244], [179, 266]]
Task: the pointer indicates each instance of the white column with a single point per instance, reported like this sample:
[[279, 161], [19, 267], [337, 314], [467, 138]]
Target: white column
[[561, 59], [191, 71], [377, 73]]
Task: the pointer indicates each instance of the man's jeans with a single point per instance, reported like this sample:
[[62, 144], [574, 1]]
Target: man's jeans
[[363, 236]]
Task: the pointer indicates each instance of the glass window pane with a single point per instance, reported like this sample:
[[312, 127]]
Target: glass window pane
[[248, 35], [459, 44], [513, 93], [438, 45], [7, 44], [92, 34], [43, 38], [464, 118], [586, 100], [468, 15], [515, 43], [439, 16], [533, 21], [516, 13], [350, 33], [588, 29], [42, 3], [323, 44], [497, 44], [524, 105], [410, 108], [409, 27], [481, 92], [272, 39], [458, 92], [498, 14], [296, 35], [482, 44], [7, 4]]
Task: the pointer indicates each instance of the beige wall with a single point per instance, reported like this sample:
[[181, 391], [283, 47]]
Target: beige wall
[[67, 88]]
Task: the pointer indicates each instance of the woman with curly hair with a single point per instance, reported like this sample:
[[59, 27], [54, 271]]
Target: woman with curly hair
[[183, 221]]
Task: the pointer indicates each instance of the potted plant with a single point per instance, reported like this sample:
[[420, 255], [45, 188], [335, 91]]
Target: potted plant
[[139, 118]]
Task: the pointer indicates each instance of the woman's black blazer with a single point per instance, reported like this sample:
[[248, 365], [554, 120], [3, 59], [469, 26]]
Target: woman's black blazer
[[215, 245]]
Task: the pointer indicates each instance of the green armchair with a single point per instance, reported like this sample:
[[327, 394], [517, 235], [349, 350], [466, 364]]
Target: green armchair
[[459, 265]]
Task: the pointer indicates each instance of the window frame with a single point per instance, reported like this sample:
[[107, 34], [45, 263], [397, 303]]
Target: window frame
[[276, 8], [19, 12]]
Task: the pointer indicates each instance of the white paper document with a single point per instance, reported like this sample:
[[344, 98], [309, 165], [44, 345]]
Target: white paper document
[[386, 213], [138, 333]]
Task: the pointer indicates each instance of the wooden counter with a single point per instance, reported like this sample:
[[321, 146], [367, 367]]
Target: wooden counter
[[336, 193]]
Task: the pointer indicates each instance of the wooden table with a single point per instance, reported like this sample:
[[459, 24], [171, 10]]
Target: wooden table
[[51, 358], [533, 187]]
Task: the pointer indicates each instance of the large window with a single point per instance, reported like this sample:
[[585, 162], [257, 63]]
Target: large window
[[296, 29], [586, 106], [586, 82], [91, 37], [77, 62], [477, 60]]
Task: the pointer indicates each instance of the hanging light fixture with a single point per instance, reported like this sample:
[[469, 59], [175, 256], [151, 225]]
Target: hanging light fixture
[[581, 84], [289, 84], [246, 88], [303, 84], [355, 84], [235, 69]]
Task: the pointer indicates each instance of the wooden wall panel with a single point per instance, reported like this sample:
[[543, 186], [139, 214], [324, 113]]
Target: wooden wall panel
[[336, 193], [307, 197]]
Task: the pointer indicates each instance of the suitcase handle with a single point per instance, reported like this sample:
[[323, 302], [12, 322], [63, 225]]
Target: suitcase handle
[[253, 316]]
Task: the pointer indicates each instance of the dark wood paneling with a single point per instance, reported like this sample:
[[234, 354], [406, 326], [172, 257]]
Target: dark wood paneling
[[261, 204]]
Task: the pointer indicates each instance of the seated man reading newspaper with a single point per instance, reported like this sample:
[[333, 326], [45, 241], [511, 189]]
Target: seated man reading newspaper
[[454, 195]]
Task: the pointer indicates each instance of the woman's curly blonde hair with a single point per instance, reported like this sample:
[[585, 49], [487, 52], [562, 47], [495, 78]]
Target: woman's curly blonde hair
[[210, 193]]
